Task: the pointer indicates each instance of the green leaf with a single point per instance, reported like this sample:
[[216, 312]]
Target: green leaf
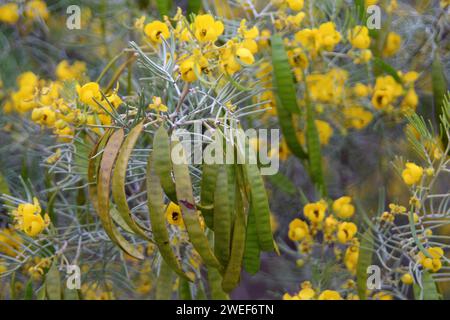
[[4, 188], [53, 283], [429, 289], [156, 208], [364, 261], [118, 180], [282, 76], [83, 146]]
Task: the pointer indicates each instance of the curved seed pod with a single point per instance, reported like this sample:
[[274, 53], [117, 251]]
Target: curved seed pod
[[440, 87], [118, 180], [93, 166], [155, 198], [208, 186], [251, 251], [53, 283], [104, 178], [260, 205], [188, 210], [364, 260], [222, 216], [314, 152], [164, 283], [233, 270], [163, 163], [215, 285]]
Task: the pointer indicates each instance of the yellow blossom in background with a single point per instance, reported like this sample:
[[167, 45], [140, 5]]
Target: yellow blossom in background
[[157, 105], [9, 13], [343, 207], [412, 173], [65, 71], [295, 5], [359, 37], [206, 28], [357, 117], [154, 30], [351, 257], [36, 9], [392, 45], [245, 56], [330, 295], [10, 242]]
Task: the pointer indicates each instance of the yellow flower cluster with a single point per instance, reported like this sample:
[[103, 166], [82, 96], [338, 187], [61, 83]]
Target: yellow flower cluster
[[198, 57], [28, 218], [432, 261], [333, 230], [307, 292], [33, 10], [44, 99], [10, 242]]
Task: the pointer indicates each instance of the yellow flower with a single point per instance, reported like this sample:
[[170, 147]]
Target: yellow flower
[[36, 9], [28, 218], [154, 30], [306, 294], [407, 279], [315, 212], [65, 71], [411, 100], [369, 3], [359, 37], [9, 13], [139, 23], [173, 214], [343, 207], [44, 116], [295, 5], [392, 45], [298, 230], [330, 295], [357, 117], [346, 231], [88, 92], [412, 173], [206, 28], [396, 209], [325, 131], [432, 263], [187, 70], [351, 257], [364, 57], [10, 242], [361, 90], [157, 105], [245, 56], [298, 59]]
